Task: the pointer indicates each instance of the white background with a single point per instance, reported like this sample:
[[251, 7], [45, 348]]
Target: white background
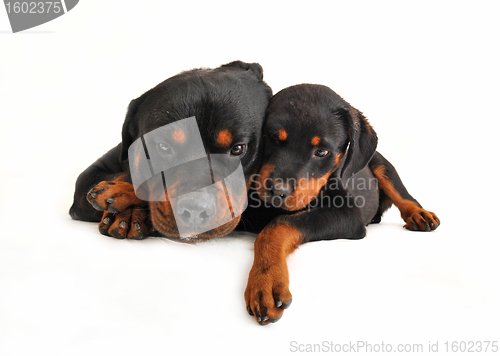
[[426, 75]]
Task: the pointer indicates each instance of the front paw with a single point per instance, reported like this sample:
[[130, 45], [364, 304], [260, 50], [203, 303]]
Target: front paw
[[132, 223], [422, 220], [113, 196], [267, 293]]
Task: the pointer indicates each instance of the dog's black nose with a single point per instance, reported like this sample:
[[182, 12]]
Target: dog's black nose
[[282, 190], [196, 211]]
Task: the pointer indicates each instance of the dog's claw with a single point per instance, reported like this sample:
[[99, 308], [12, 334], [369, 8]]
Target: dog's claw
[[275, 319], [113, 210], [287, 304]]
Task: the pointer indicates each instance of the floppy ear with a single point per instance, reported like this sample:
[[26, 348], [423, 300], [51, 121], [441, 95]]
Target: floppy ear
[[130, 128], [255, 68], [362, 143]]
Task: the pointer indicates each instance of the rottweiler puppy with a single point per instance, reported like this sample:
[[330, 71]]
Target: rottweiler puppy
[[203, 120], [322, 172]]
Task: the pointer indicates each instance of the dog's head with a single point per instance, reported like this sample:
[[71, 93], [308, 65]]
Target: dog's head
[[310, 133], [197, 138]]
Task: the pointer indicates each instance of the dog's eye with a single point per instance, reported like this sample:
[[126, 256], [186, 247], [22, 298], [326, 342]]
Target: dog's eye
[[321, 153], [164, 148], [238, 150]]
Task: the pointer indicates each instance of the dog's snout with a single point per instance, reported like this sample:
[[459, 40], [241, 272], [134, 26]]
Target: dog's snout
[[281, 190], [198, 210]]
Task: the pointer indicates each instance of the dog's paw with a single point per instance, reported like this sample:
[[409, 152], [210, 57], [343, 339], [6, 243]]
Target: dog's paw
[[132, 223], [267, 293], [422, 220], [113, 196]]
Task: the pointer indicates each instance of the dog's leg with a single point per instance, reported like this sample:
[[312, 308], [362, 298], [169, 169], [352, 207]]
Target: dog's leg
[[102, 194], [106, 168], [267, 293], [394, 192]]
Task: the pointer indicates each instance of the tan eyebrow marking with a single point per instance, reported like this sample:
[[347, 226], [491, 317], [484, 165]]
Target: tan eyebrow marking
[[179, 136], [282, 135], [224, 138], [315, 141]]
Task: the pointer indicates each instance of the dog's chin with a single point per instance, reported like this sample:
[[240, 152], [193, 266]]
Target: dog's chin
[[170, 231]]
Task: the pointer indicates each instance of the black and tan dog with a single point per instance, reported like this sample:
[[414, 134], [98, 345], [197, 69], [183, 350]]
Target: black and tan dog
[[314, 142], [229, 104], [321, 170]]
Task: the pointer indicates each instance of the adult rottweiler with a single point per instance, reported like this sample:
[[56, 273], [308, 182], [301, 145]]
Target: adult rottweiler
[[320, 166], [228, 104]]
